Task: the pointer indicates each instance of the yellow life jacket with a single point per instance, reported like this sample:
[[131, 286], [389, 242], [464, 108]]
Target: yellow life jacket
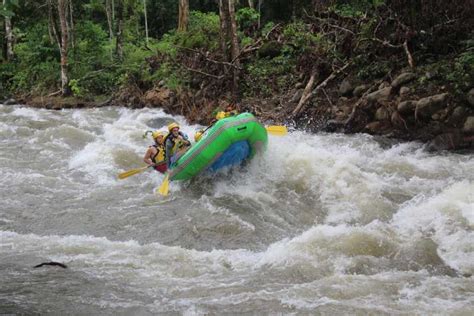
[[177, 143], [160, 154], [222, 114]]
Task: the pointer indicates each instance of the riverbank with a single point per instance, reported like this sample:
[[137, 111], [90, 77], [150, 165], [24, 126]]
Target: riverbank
[[399, 108]]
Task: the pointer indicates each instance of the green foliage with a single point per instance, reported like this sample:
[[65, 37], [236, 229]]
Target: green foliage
[[6, 9], [355, 8], [264, 77], [247, 18], [461, 72], [170, 74], [267, 27], [7, 71], [245, 41], [299, 35], [166, 46], [36, 61], [370, 68], [203, 31], [95, 69], [91, 52], [74, 85]]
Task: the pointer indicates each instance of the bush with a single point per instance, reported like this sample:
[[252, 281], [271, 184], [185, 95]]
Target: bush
[[264, 77], [36, 62], [203, 31]]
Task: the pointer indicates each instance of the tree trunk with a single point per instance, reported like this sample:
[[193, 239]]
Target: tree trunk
[[109, 12], [62, 11], [235, 50], [119, 34], [52, 30], [260, 2], [251, 4], [224, 26], [9, 36], [71, 24], [183, 15], [146, 23]]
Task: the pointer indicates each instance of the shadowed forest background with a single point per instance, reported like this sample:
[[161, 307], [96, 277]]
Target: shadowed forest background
[[398, 68]]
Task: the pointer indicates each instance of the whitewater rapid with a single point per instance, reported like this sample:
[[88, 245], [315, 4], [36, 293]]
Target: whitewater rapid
[[320, 223]]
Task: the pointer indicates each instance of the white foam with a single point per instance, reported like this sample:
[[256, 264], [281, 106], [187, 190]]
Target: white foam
[[446, 218]]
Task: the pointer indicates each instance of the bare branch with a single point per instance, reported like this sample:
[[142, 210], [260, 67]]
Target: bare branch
[[204, 73]]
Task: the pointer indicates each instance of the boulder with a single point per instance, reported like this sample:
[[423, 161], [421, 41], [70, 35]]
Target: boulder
[[404, 92], [382, 114], [157, 97], [10, 101], [468, 127], [333, 126], [377, 127], [402, 79], [342, 112], [398, 121], [346, 88], [380, 95], [428, 106], [446, 141], [470, 97], [384, 84], [458, 115], [359, 90], [406, 107]]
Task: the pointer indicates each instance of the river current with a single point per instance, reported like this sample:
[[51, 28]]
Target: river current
[[318, 224]]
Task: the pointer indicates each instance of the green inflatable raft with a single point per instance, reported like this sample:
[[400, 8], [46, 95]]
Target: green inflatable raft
[[230, 141]]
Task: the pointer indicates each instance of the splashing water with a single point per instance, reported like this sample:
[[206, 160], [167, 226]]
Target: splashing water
[[317, 224]]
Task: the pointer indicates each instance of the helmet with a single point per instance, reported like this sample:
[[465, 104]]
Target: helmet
[[198, 135], [157, 134], [172, 125]]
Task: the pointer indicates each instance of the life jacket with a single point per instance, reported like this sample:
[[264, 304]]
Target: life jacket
[[176, 145], [160, 154], [222, 114]]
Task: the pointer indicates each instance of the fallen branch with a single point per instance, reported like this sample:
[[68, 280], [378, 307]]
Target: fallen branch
[[306, 95], [204, 73], [411, 61], [256, 45], [209, 59], [54, 93]]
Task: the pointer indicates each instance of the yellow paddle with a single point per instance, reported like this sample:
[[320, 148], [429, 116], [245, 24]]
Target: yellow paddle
[[277, 130], [163, 189], [132, 172]]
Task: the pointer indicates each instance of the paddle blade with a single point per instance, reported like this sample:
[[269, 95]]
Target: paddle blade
[[277, 130], [163, 189], [132, 172]]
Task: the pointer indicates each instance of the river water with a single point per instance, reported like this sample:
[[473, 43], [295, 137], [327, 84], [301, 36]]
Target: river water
[[319, 224]]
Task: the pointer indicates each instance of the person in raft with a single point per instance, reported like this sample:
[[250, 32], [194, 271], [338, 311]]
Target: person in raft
[[155, 155], [229, 111], [176, 144]]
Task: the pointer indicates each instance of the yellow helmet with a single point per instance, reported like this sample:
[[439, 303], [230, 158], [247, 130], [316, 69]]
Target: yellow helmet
[[220, 115], [172, 125], [157, 134], [198, 135]]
